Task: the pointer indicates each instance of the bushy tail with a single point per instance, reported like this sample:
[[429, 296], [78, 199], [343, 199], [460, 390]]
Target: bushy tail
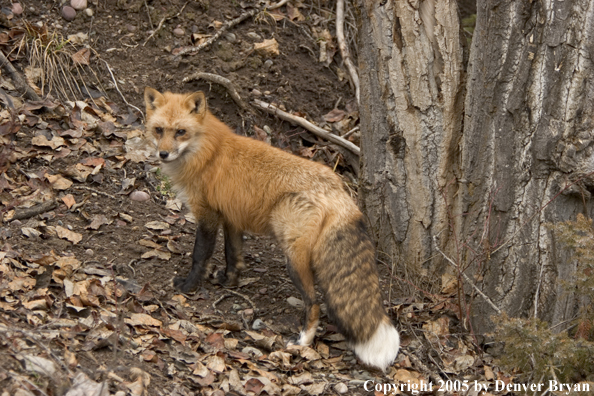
[[344, 262]]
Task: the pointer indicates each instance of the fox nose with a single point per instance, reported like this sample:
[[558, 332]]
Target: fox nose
[[163, 154]]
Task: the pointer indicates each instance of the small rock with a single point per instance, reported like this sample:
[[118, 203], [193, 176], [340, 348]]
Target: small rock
[[268, 64], [231, 37], [78, 5], [131, 28], [341, 388], [89, 252], [17, 8], [295, 302], [256, 93], [139, 196], [179, 32], [254, 35], [263, 290], [258, 325], [88, 12], [68, 13]]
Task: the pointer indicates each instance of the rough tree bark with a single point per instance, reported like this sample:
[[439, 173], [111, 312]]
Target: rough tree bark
[[479, 185], [528, 132], [410, 62]]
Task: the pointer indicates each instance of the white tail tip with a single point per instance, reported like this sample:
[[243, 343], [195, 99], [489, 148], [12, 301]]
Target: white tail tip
[[381, 349]]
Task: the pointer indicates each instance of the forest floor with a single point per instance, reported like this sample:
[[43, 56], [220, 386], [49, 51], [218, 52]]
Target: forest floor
[[91, 233]]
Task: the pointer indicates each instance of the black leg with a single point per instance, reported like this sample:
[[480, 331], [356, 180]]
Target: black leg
[[206, 238], [233, 255]]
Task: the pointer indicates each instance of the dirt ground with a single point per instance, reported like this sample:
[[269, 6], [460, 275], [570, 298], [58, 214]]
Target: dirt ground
[[86, 285]]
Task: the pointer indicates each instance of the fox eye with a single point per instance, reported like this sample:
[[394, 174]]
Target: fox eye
[[159, 130], [180, 132]]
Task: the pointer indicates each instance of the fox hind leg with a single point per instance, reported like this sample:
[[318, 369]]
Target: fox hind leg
[[204, 245], [298, 265]]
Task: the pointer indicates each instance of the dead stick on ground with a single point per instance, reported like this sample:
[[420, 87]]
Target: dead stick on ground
[[316, 130], [162, 21], [19, 83], [221, 81], [245, 298], [223, 29], [417, 362], [344, 49], [120, 92], [95, 191], [466, 278], [34, 210]]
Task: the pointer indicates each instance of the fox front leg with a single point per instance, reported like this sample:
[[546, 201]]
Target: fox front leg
[[233, 256], [204, 245]]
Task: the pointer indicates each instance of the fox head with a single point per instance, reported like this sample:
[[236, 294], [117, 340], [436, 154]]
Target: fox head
[[175, 122]]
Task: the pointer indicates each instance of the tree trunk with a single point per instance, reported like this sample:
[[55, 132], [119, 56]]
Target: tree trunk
[[527, 137], [486, 194], [411, 111]]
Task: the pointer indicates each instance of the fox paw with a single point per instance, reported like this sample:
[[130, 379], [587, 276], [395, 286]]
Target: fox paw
[[220, 278], [184, 285]]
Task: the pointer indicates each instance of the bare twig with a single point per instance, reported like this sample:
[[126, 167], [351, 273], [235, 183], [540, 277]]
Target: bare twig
[[95, 191], [162, 21], [19, 83], [417, 362], [228, 25], [470, 282], [316, 130], [278, 5], [225, 82], [245, 298], [34, 210], [120, 92], [344, 49]]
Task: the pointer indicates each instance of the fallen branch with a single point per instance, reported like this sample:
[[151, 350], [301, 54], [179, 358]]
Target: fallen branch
[[228, 25], [120, 92], [46, 206], [225, 82], [344, 49], [95, 191], [161, 22], [316, 130], [19, 83], [466, 278], [419, 363]]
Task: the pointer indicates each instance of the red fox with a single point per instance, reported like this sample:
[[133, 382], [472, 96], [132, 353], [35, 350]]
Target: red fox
[[247, 185]]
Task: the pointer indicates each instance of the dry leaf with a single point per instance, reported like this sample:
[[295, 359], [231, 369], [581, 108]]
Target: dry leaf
[[215, 363], [157, 225], [82, 57], [293, 13], [41, 140], [21, 284], [68, 200], [174, 204], [150, 244], [449, 283], [267, 47], [334, 115], [59, 182], [71, 236], [140, 319], [98, 221], [156, 253]]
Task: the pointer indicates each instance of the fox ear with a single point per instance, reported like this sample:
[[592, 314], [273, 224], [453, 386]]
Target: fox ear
[[197, 103], [152, 99]]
